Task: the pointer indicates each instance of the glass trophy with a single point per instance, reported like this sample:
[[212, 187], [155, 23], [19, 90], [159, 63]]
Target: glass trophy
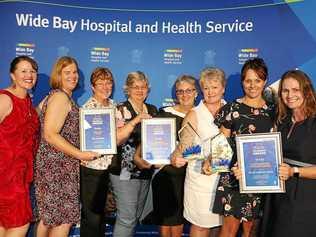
[[190, 145], [221, 153]]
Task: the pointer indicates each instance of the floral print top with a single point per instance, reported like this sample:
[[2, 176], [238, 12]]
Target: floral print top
[[123, 163], [240, 119], [243, 119], [105, 161]]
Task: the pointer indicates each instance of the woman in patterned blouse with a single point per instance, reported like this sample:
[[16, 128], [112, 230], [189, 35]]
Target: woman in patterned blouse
[[94, 175]]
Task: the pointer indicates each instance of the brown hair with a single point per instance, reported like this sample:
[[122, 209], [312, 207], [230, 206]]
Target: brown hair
[[60, 64], [101, 73], [19, 59], [307, 89], [211, 73], [256, 64]]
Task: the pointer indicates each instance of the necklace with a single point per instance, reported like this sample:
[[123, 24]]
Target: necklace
[[137, 109]]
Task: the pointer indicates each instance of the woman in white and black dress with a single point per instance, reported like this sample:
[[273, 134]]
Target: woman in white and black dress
[[200, 184], [168, 183]]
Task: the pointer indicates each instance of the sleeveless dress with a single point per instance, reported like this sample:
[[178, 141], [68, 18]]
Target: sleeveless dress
[[199, 189], [57, 174], [19, 140], [168, 184]]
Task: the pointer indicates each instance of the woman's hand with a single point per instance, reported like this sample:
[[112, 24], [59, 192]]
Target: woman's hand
[[146, 165], [124, 132], [178, 162], [88, 156], [140, 117], [237, 172], [139, 161], [285, 171], [207, 167]]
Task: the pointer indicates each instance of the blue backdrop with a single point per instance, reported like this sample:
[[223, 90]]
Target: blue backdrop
[[162, 39]]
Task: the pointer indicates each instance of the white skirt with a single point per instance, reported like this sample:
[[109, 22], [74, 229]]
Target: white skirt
[[199, 195]]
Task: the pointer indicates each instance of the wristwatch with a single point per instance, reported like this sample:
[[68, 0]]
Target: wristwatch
[[296, 172]]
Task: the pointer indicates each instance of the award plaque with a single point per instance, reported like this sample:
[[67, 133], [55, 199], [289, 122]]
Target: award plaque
[[158, 139], [97, 130], [259, 156]]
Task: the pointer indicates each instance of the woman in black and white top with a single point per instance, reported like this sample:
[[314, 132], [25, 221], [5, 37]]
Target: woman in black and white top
[[130, 184]]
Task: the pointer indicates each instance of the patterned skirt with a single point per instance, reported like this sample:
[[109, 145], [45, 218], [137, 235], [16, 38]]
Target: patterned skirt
[[230, 202]]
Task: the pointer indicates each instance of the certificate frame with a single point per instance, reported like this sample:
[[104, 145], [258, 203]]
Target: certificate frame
[[259, 156], [98, 130], [158, 140]]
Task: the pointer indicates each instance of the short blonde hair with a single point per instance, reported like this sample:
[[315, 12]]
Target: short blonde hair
[[212, 73], [135, 76], [60, 64]]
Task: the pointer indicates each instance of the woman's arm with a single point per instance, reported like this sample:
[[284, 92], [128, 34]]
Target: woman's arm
[[40, 106], [6, 106], [58, 107], [138, 160], [123, 133], [225, 131], [286, 171]]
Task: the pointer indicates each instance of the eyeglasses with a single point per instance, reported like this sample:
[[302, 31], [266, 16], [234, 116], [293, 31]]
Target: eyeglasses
[[137, 88], [187, 91]]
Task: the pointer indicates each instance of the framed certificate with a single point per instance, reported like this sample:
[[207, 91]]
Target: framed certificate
[[259, 156], [158, 139], [98, 130]]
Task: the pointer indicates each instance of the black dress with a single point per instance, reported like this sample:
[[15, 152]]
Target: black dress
[[240, 119], [168, 185], [293, 213]]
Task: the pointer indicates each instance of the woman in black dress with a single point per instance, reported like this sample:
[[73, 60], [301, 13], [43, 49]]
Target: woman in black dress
[[293, 213], [246, 115], [168, 183]]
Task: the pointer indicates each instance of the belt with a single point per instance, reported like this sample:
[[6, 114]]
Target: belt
[[297, 163]]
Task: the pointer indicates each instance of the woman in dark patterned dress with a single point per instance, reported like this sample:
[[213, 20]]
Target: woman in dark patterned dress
[[249, 114], [57, 162]]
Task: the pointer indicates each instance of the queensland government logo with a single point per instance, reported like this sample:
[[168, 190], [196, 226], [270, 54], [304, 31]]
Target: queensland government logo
[[25, 49], [100, 55], [173, 56], [247, 53]]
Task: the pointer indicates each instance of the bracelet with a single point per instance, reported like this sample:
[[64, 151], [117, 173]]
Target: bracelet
[[296, 172]]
